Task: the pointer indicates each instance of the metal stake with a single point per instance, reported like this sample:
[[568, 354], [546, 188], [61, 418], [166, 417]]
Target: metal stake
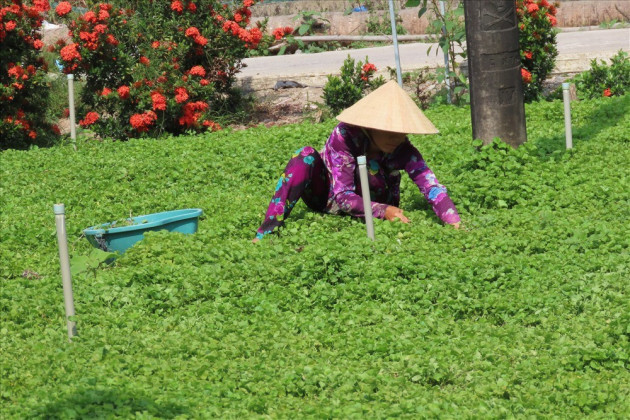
[[447, 77], [73, 129], [365, 192], [64, 261], [567, 115], [395, 37]]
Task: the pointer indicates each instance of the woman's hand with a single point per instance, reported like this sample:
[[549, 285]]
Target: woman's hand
[[392, 213]]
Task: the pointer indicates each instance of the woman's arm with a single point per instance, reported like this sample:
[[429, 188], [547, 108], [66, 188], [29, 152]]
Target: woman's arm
[[428, 184]]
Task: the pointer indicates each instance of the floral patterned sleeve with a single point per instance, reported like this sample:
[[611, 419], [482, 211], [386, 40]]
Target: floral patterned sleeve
[[342, 165], [428, 184]]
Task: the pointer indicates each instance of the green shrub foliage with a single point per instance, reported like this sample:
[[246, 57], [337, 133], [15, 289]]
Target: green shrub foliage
[[605, 80], [351, 85], [537, 40], [23, 81], [159, 66]]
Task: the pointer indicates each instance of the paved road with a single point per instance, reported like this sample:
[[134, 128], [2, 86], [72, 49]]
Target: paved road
[[576, 49]]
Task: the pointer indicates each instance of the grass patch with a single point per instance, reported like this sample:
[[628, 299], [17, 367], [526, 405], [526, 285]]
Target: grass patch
[[523, 315]]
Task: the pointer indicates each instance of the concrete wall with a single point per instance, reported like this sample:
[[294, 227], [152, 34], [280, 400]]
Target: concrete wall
[[571, 13]]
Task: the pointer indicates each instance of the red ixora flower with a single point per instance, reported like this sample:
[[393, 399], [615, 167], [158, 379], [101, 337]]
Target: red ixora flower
[[70, 52], [159, 101], [10, 25], [278, 33], [41, 6], [145, 61], [528, 55], [192, 32], [142, 122], [527, 76], [123, 92], [90, 118], [181, 95], [197, 71], [63, 8], [192, 112], [200, 40], [177, 6], [106, 91], [607, 92], [211, 125], [532, 8]]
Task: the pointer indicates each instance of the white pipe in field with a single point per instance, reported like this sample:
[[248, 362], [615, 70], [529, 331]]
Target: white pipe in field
[[64, 261], [567, 115], [365, 192], [73, 129]]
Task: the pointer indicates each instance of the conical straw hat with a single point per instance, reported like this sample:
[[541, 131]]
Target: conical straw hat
[[388, 108]]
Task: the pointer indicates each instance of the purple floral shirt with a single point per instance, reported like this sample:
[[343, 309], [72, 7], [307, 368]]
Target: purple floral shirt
[[345, 144]]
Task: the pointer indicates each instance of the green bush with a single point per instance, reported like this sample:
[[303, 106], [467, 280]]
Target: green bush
[[157, 67], [354, 82], [605, 80], [24, 93]]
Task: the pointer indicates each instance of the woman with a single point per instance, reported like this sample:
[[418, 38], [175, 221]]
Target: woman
[[377, 127]]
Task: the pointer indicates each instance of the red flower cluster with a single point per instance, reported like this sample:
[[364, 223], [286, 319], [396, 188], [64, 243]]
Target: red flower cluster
[[194, 33], [527, 76], [367, 71], [280, 33], [211, 125], [159, 101], [142, 122], [63, 8], [123, 92], [181, 95], [177, 6], [90, 118], [192, 111], [607, 92], [535, 7], [197, 71]]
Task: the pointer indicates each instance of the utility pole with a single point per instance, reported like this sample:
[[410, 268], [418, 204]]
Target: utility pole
[[494, 68]]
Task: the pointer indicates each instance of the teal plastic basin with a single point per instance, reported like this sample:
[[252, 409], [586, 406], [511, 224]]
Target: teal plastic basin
[[112, 237]]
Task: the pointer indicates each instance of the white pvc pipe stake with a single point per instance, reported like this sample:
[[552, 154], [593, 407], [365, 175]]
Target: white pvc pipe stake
[[567, 115], [64, 261], [73, 129], [365, 192]]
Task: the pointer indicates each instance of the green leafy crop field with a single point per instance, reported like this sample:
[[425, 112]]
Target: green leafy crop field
[[524, 314]]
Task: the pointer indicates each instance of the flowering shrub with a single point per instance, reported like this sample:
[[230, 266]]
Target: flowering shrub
[[23, 82], [537, 41], [343, 91], [160, 66], [605, 80]]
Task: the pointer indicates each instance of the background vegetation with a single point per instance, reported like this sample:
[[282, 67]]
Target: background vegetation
[[524, 314]]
